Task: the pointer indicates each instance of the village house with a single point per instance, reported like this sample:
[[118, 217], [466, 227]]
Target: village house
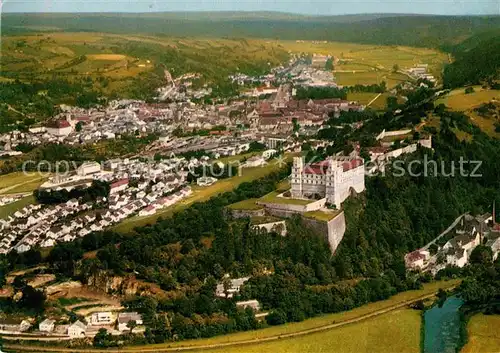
[[46, 325], [125, 318], [77, 329]]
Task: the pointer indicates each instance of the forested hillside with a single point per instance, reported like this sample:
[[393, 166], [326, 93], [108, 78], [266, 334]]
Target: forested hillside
[[411, 30], [477, 61]]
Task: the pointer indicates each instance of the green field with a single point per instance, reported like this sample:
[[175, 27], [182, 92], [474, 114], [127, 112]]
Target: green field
[[409, 331], [398, 331], [361, 97], [483, 334], [11, 208], [459, 101], [13, 181]]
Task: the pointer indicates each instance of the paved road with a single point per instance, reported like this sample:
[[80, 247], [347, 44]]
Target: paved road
[[153, 348], [455, 222]]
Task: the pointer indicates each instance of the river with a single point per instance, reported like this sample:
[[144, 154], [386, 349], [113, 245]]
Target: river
[[442, 327]]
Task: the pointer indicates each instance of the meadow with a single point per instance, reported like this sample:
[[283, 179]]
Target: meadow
[[460, 101], [483, 334]]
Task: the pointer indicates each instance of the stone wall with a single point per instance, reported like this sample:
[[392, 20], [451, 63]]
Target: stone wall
[[333, 230], [248, 213]]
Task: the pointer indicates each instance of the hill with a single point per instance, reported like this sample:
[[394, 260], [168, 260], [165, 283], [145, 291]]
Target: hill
[[477, 61], [412, 30]]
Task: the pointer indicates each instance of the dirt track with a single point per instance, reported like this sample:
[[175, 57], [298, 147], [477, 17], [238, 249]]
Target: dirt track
[[164, 348]]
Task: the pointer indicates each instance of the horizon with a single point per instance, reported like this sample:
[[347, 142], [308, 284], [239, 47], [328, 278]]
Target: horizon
[[316, 8]]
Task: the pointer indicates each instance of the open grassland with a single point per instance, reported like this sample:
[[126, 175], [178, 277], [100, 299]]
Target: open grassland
[[201, 194], [398, 331], [361, 97], [19, 182], [11, 208], [409, 330], [484, 334], [459, 101]]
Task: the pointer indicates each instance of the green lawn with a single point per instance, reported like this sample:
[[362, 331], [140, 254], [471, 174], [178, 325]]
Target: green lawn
[[322, 215], [11, 208], [272, 197], [484, 334]]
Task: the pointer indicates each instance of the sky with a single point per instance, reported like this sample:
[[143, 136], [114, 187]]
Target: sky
[[313, 7]]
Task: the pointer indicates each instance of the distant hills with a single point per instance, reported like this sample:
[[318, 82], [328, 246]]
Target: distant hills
[[477, 61], [386, 29]]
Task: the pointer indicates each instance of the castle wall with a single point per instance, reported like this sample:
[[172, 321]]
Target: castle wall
[[269, 227], [248, 213], [333, 230]]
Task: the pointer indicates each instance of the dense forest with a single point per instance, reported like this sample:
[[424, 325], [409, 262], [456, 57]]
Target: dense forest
[[477, 61], [411, 30]]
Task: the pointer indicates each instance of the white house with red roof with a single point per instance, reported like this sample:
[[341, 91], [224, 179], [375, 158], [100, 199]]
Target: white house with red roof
[[118, 186], [59, 128], [334, 178]]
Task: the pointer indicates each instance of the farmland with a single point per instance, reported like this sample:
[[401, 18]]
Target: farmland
[[115, 63], [460, 101], [398, 331], [483, 334]]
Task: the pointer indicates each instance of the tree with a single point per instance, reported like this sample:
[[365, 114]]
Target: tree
[[100, 338], [481, 255], [131, 325], [395, 68], [78, 126], [469, 90]]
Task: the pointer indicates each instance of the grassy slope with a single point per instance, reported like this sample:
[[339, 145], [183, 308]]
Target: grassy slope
[[484, 334], [321, 321], [11, 208], [459, 101]]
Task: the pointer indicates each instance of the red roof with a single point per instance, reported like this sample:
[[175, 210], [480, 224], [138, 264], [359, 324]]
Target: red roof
[[414, 256], [119, 183], [59, 124], [352, 164]]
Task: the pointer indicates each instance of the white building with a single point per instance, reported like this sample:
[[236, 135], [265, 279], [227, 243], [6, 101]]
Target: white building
[[335, 178], [77, 329], [46, 325], [101, 318], [125, 318], [88, 168]]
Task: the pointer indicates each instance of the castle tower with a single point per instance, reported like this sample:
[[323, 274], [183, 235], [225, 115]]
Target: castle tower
[[297, 177], [331, 181]]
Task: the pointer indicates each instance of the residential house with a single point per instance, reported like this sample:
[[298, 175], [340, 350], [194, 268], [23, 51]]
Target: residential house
[[125, 318], [46, 325], [77, 329]]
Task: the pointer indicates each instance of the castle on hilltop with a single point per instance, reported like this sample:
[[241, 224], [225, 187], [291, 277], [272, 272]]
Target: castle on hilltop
[[334, 179]]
